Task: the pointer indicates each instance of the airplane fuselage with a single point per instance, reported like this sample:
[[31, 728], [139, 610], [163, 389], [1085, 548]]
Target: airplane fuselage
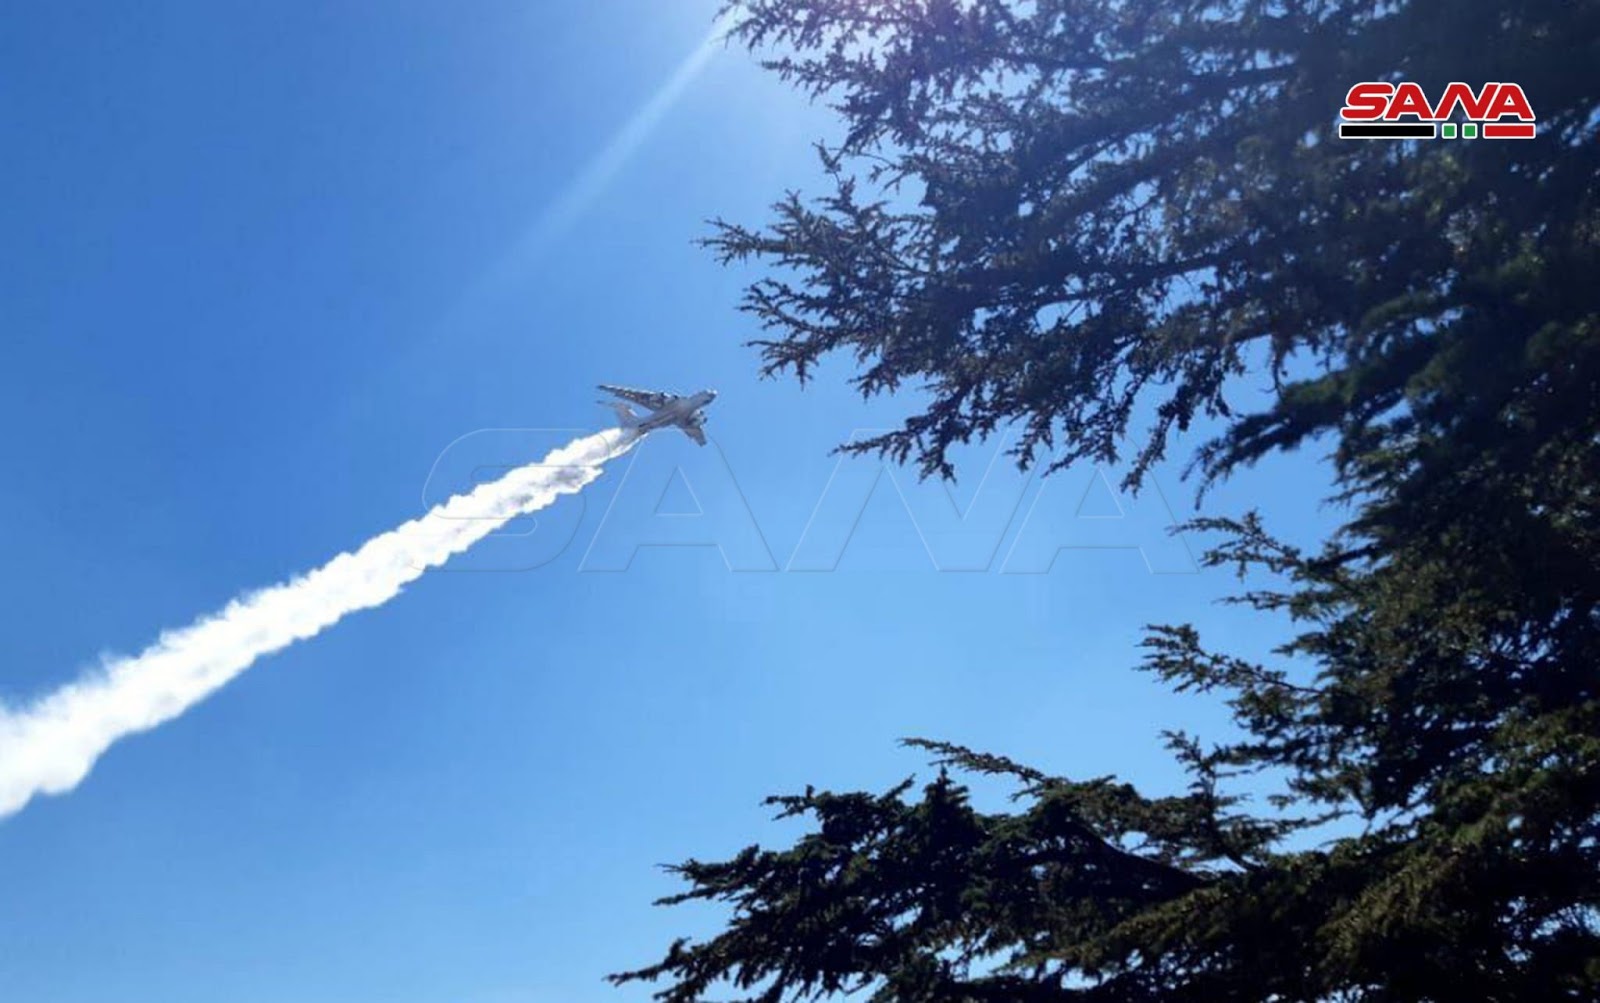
[[684, 409], [662, 410]]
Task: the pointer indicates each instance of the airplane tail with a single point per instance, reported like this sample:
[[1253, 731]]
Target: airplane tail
[[625, 413]]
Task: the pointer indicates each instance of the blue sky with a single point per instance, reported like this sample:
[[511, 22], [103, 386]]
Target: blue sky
[[265, 267]]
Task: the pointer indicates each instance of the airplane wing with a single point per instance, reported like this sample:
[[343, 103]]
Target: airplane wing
[[694, 432], [645, 398]]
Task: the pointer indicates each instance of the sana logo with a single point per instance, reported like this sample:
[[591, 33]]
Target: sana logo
[[1377, 110]]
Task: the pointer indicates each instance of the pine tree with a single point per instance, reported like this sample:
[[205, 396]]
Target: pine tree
[[1069, 213]]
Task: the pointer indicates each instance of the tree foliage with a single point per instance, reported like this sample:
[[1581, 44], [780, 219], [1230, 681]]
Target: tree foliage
[[1070, 213], [1045, 212]]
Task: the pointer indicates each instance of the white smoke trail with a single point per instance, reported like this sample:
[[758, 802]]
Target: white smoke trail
[[49, 746]]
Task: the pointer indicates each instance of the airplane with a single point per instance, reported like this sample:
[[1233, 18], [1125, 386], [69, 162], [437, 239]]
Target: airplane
[[685, 412]]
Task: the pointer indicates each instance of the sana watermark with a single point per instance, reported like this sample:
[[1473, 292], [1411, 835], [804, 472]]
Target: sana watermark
[[1377, 110]]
